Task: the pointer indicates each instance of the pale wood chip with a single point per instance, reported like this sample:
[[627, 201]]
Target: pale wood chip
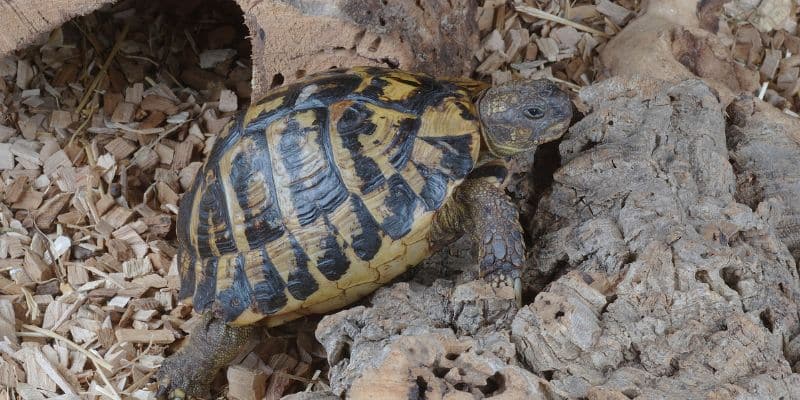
[[770, 64], [24, 73], [7, 321], [228, 102], [30, 200], [6, 157], [182, 155], [123, 112], [188, 174], [211, 58], [158, 103], [616, 13], [136, 268], [133, 94], [548, 47], [120, 148], [246, 383], [60, 119], [55, 162], [160, 336]]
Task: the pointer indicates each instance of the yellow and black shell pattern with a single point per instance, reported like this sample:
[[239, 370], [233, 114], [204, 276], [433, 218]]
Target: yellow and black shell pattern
[[322, 192]]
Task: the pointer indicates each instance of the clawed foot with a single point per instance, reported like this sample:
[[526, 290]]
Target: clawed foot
[[508, 277], [180, 379]]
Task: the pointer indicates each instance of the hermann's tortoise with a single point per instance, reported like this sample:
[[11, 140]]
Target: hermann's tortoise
[[332, 186]]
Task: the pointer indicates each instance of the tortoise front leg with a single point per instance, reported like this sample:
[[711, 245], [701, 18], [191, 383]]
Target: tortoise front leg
[[481, 208], [213, 344]]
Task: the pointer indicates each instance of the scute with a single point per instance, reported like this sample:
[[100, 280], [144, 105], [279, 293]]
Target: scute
[[323, 191]]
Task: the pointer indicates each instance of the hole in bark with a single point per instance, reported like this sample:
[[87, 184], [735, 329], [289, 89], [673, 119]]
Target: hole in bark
[[440, 372], [381, 21], [731, 277], [341, 351], [610, 123], [559, 314], [702, 276], [494, 385], [588, 146], [767, 319], [546, 161], [451, 356], [373, 47], [609, 301], [461, 387], [277, 80], [358, 37], [547, 375], [674, 367], [390, 62], [422, 388]]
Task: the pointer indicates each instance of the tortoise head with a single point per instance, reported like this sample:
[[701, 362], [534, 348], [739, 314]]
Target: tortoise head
[[520, 115]]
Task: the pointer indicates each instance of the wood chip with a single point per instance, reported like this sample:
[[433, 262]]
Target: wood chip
[[228, 101], [157, 103], [6, 157], [120, 148], [159, 336], [124, 112], [246, 383], [616, 13], [7, 321]]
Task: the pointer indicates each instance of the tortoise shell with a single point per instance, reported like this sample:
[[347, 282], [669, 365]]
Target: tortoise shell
[[323, 191]]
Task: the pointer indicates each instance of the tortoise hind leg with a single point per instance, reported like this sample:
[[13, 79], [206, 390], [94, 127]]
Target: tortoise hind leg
[[480, 207], [213, 344]]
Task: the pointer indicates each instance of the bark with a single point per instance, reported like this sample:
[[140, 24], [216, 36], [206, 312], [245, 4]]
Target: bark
[[765, 150], [293, 37], [656, 282]]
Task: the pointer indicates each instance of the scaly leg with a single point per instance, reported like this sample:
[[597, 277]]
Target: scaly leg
[[480, 207], [213, 344]]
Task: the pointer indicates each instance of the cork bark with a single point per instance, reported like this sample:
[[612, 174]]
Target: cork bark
[[293, 37]]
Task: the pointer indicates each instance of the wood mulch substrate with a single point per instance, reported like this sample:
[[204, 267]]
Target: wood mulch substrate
[[104, 125]]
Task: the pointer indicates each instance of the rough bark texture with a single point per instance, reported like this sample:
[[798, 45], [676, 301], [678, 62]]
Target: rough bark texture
[[23, 21], [656, 282], [293, 37], [765, 150]]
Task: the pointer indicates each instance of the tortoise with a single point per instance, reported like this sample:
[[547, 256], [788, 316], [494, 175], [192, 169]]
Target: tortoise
[[332, 186]]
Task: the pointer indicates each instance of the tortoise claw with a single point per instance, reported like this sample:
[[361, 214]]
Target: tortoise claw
[[500, 279]]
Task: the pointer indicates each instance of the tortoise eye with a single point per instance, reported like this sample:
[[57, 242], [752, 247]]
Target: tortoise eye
[[534, 113]]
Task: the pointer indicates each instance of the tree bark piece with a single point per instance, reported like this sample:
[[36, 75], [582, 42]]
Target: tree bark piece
[[295, 37], [292, 38], [676, 290], [765, 147]]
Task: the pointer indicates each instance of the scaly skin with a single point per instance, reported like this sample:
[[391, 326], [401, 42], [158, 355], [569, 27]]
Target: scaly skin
[[481, 207], [213, 344]]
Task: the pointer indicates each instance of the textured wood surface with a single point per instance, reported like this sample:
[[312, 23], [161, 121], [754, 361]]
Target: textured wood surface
[[24, 20], [296, 37]]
